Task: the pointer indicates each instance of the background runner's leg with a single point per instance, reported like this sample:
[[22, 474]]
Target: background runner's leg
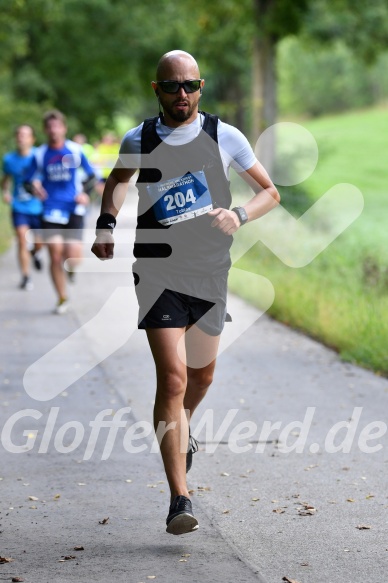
[[23, 253], [55, 247]]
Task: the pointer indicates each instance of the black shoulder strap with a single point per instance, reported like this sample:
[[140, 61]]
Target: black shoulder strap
[[210, 125], [149, 138]]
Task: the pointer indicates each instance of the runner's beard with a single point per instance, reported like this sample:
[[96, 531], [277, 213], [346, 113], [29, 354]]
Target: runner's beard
[[178, 115]]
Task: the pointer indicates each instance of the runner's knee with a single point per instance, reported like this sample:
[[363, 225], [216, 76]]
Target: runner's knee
[[200, 379], [171, 384]]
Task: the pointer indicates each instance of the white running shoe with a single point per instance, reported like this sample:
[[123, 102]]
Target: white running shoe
[[61, 307]]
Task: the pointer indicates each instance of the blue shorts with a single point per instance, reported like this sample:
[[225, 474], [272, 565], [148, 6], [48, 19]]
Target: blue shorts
[[31, 221]]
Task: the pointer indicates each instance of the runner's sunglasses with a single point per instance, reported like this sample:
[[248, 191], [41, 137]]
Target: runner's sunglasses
[[190, 86]]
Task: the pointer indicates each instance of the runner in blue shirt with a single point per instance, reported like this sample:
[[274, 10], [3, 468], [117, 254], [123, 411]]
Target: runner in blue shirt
[[55, 180], [26, 209]]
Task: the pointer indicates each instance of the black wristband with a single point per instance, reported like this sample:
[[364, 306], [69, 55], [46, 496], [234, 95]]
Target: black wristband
[[106, 221]]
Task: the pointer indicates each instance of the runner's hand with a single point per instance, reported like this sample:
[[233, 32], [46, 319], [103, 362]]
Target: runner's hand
[[103, 245], [225, 220], [82, 198], [7, 198], [39, 191]]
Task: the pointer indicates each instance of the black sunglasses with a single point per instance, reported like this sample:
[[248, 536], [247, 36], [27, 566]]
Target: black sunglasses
[[190, 86]]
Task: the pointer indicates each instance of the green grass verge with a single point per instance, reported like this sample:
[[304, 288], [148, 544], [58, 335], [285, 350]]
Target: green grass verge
[[341, 298], [5, 227]]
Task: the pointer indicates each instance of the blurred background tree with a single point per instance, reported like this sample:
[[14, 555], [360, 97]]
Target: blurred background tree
[[94, 59]]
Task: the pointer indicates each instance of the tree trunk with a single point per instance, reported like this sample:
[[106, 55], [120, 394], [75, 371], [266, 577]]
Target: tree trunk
[[264, 98]]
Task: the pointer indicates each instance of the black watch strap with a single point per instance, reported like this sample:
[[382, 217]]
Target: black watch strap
[[241, 213]]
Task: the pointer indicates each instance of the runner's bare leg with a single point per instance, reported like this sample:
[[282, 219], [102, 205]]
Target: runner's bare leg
[[171, 378]]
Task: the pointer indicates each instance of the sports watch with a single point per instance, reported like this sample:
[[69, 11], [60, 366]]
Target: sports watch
[[241, 213]]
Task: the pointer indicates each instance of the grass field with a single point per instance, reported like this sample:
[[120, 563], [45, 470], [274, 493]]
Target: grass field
[[340, 298], [5, 227]]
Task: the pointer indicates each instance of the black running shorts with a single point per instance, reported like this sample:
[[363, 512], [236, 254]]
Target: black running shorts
[[71, 231], [173, 301]]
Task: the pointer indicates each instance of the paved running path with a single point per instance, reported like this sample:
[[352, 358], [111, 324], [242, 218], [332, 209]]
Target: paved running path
[[270, 374]]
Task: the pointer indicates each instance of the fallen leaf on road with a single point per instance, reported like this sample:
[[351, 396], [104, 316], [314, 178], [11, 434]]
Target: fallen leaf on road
[[6, 559], [225, 511], [255, 499], [278, 510], [33, 498], [17, 579], [224, 474], [290, 580], [103, 521], [186, 555], [57, 496], [308, 512], [183, 560], [67, 558], [128, 481], [151, 576], [79, 548], [363, 527], [350, 500], [369, 496]]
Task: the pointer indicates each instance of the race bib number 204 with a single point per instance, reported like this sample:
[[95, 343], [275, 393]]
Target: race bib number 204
[[180, 199]]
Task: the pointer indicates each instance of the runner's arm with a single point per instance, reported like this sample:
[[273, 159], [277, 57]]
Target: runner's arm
[[6, 188], [266, 196], [113, 196], [265, 199]]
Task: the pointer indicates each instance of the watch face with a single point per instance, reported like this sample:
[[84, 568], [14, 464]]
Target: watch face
[[243, 214]]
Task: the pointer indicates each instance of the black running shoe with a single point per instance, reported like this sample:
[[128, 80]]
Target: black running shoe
[[26, 283], [180, 519], [37, 261], [191, 448]]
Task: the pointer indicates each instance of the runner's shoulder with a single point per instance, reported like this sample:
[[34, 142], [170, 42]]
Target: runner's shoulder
[[131, 142], [227, 131]]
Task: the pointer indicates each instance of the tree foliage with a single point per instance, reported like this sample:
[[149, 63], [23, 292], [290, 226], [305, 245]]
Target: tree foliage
[[94, 58]]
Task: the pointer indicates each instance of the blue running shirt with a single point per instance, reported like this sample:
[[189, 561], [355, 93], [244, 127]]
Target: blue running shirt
[[57, 170], [15, 166]]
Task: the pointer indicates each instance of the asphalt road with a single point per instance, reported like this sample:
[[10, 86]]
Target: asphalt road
[[264, 513]]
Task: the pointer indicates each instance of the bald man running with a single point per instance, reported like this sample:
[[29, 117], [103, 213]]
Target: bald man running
[[183, 236]]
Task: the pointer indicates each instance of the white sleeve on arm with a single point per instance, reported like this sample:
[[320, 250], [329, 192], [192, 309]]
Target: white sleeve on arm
[[130, 149], [235, 150]]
